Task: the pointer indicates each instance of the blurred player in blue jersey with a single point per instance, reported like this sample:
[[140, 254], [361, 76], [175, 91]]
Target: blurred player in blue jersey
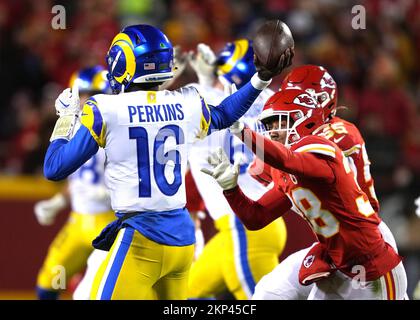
[[235, 257], [146, 135], [90, 205]]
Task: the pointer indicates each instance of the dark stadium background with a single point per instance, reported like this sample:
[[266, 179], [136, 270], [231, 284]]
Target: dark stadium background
[[377, 71]]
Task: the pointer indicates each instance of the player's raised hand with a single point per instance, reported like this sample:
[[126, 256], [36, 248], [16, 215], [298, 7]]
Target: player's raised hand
[[273, 46], [266, 73], [225, 174], [68, 102], [236, 128], [67, 107], [202, 63]]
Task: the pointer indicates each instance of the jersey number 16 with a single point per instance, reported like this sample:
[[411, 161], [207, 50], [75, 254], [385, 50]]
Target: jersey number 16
[[160, 159]]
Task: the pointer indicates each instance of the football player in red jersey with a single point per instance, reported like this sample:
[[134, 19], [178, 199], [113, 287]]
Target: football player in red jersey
[[313, 177], [318, 82]]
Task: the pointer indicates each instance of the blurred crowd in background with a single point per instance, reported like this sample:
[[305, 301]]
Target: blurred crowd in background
[[377, 70]]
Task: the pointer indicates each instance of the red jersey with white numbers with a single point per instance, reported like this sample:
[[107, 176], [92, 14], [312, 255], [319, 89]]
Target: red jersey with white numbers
[[350, 141], [338, 210]]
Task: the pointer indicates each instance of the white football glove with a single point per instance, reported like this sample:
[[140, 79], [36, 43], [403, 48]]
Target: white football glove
[[68, 102], [417, 203], [237, 127], [203, 64], [47, 210], [67, 107], [225, 174]]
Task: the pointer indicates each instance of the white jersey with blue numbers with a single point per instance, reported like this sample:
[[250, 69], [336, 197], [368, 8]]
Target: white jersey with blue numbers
[[88, 193], [210, 191], [147, 136]]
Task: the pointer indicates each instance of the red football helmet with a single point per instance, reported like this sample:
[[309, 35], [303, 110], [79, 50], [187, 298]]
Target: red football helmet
[[317, 81], [298, 112]]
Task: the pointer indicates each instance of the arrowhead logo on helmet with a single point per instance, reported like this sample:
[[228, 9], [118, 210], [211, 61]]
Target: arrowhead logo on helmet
[[305, 100], [327, 81], [297, 113]]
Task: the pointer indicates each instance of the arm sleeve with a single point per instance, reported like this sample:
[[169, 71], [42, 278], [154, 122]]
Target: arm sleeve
[[64, 157], [279, 157], [233, 107], [256, 215]]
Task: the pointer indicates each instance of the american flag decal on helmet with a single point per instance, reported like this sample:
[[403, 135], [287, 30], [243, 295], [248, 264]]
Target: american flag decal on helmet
[[149, 66]]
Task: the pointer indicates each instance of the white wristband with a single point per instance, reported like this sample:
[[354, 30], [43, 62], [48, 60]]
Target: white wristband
[[259, 84], [64, 127]]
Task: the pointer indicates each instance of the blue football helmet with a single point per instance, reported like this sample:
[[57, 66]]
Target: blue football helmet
[[235, 63], [91, 80], [139, 54]]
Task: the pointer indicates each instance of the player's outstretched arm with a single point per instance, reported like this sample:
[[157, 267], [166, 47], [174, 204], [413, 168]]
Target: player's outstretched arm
[[236, 105], [280, 157], [253, 214], [256, 215]]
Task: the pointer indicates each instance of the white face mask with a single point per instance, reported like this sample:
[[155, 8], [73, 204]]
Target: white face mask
[[281, 129]]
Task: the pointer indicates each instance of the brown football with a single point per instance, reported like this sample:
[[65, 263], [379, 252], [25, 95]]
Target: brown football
[[270, 42]]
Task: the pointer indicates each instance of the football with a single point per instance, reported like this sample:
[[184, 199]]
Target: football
[[270, 41]]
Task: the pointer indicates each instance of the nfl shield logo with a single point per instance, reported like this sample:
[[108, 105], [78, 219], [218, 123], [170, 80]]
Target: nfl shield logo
[[308, 261]]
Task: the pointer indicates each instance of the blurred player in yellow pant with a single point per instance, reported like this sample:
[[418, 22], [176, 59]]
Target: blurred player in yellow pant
[[90, 205], [235, 259]]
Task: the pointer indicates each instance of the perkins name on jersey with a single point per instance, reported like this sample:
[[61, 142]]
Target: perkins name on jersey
[[155, 113]]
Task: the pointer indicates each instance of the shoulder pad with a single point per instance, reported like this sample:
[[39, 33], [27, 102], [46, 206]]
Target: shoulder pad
[[346, 135], [315, 144], [92, 119]]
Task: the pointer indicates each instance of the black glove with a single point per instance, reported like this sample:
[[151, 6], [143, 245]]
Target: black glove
[[285, 61]]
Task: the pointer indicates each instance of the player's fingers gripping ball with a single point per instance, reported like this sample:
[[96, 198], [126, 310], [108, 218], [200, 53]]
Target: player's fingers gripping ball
[[273, 46]]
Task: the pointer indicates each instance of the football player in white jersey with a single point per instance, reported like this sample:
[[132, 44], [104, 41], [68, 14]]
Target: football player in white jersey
[[146, 135], [235, 257], [90, 205]]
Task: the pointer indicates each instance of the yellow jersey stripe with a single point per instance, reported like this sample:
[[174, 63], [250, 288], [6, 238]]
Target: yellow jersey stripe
[[92, 119], [355, 149]]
